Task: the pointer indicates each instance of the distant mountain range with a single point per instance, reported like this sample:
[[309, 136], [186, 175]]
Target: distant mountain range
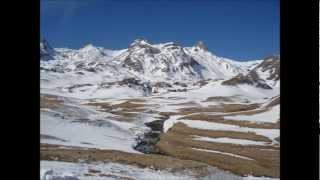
[[149, 66]]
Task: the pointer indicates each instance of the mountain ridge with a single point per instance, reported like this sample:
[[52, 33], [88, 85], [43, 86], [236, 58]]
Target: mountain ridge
[[144, 65]]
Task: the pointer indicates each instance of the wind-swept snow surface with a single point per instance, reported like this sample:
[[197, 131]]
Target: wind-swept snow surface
[[55, 170], [102, 171]]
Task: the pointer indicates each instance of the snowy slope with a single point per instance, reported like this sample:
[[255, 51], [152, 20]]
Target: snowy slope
[[96, 72], [221, 68], [145, 61], [55, 170]]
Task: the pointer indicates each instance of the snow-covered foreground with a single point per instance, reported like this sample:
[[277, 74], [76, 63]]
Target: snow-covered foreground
[[101, 171], [74, 122], [55, 170], [109, 136]]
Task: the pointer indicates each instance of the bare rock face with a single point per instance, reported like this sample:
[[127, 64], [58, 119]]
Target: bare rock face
[[133, 64], [162, 85], [250, 79], [271, 66]]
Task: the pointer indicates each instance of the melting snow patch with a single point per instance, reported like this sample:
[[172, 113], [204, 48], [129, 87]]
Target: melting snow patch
[[259, 178], [271, 115], [229, 140], [224, 153], [270, 133], [55, 170]]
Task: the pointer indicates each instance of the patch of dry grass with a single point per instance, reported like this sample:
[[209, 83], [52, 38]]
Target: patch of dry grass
[[189, 103], [178, 142], [50, 101], [135, 100], [167, 113], [126, 111], [127, 105], [101, 105], [229, 109], [241, 123], [182, 129], [125, 116], [153, 161], [247, 112], [275, 101], [219, 108], [268, 166]]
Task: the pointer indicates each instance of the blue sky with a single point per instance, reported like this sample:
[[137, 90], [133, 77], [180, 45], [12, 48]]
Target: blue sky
[[238, 29]]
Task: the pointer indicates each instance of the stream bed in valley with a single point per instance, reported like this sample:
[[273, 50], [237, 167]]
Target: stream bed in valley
[[146, 143]]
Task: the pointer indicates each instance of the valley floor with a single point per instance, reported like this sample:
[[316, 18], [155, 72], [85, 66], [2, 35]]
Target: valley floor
[[197, 135]]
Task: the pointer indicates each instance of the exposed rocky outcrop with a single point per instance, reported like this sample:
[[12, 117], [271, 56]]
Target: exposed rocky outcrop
[[265, 75]]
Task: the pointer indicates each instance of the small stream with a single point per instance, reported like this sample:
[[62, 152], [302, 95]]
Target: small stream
[[146, 143]]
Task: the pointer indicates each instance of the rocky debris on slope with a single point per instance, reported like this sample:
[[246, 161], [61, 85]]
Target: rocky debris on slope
[[251, 79], [162, 85], [201, 82]]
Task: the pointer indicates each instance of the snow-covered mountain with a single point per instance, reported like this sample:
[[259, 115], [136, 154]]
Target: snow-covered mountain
[[264, 75], [147, 67], [218, 67], [146, 61]]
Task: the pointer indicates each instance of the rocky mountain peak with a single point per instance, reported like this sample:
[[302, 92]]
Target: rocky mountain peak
[[88, 46], [140, 42], [44, 45], [46, 51], [201, 45]]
